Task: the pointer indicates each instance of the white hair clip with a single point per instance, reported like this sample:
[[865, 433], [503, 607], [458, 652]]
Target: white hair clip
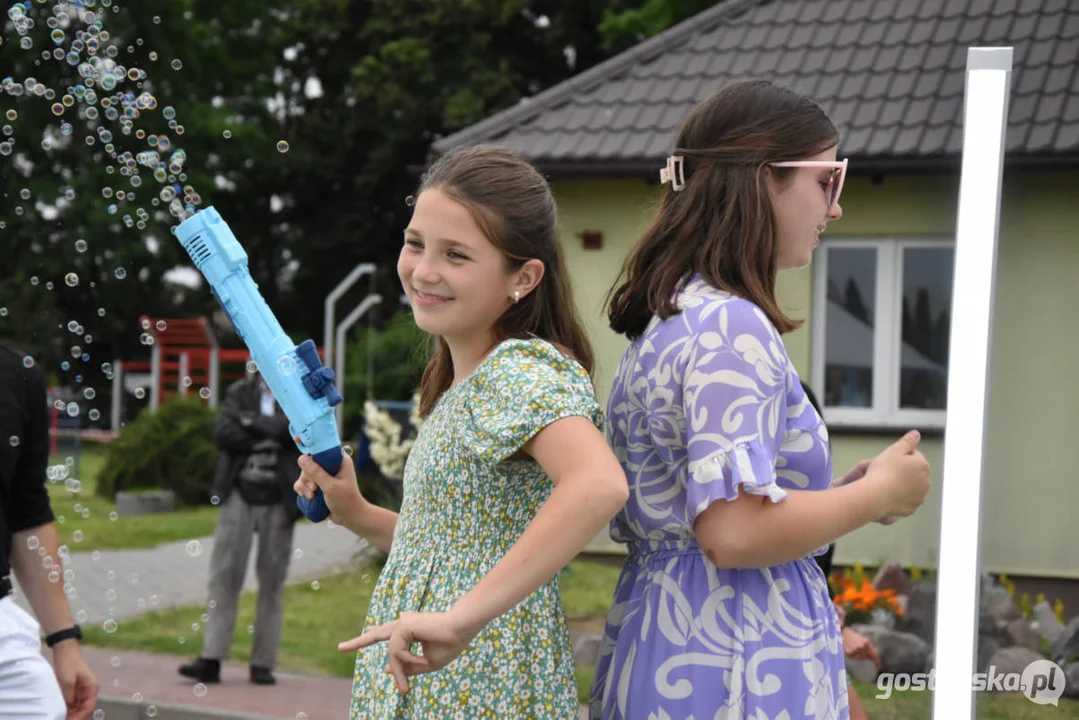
[[674, 173]]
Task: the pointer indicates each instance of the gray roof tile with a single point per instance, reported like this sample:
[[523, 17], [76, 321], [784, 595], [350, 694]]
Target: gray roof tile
[[890, 72], [1059, 80], [1041, 137], [1067, 138], [1070, 30]]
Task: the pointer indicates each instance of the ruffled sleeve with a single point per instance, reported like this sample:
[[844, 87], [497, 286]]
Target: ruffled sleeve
[[734, 399], [523, 386]]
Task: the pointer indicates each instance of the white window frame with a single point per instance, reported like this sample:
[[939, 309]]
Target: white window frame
[[888, 305]]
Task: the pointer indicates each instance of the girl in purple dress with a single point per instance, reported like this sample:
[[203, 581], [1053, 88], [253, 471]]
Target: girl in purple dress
[[720, 610]]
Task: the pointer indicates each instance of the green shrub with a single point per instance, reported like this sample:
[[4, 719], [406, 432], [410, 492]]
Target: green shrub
[[171, 449], [397, 355]]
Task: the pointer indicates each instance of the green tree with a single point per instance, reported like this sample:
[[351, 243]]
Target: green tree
[[627, 23], [357, 88]]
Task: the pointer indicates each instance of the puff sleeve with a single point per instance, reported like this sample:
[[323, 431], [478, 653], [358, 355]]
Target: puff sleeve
[[734, 400], [523, 386]]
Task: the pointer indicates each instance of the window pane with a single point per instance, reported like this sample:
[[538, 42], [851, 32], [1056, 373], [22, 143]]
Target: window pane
[[927, 306], [849, 321]]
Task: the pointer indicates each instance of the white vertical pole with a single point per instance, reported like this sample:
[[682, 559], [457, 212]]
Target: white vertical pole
[[215, 376], [984, 126], [215, 361], [117, 394], [155, 377], [181, 388]]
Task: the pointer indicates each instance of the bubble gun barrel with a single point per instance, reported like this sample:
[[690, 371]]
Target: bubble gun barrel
[[300, 384]]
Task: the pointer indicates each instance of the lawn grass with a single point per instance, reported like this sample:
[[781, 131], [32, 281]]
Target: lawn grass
[[912, 705], [86, 522], [317, 616]]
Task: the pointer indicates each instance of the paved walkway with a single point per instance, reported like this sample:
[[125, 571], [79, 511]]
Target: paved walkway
[[120, 584]]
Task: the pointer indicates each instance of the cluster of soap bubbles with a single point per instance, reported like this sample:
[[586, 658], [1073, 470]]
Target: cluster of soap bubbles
[[108, 97]]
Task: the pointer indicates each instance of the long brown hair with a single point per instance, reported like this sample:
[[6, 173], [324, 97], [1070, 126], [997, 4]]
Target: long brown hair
[[721, 224], [512, 204]]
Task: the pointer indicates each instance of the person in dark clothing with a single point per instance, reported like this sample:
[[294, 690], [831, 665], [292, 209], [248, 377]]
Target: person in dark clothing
[[29, 688], [253, 484], [825, 560], [854, 644]]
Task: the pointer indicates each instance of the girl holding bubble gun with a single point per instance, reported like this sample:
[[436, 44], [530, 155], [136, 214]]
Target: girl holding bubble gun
[[510, 476]]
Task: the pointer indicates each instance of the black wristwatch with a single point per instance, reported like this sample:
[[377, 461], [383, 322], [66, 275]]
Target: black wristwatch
[[60, 635]]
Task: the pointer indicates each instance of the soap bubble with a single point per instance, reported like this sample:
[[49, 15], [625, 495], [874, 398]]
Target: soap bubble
[[109, 626], [80, 246], [194, 548], [71, 279], [204, 393], [282, 146], [286, 365], [120, 273]]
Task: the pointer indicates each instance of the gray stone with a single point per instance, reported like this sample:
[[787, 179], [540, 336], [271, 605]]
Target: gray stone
[[1066, 647], [587, 650], [921, 611], [862, 669], [1071, 680], [145, 503], [988, 647], [998, 604], [1012, 660], [1048, 627], [1020, 633], [900, 652], [989, 626], [891, 576]]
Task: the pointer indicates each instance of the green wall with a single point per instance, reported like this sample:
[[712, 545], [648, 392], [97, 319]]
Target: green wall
[[1031, 487]]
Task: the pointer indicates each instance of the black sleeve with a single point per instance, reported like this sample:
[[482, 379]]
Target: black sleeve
[[273, 426], [231, 433], [29, 499]]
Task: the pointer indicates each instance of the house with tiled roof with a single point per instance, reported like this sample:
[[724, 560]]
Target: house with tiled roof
[[878, 295]]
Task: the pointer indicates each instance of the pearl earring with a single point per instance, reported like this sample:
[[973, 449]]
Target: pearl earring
[[516, 296]]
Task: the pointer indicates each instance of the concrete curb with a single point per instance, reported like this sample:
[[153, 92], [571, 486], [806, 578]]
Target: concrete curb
[[124, 708]]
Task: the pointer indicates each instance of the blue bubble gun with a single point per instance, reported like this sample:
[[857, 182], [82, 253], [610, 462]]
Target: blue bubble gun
[[299, 382]]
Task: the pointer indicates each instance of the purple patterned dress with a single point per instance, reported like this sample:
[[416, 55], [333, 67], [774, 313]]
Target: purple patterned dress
[[707, 405]]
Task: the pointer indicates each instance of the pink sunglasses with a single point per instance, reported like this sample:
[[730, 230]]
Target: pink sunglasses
[[835, 181], [674, 174]]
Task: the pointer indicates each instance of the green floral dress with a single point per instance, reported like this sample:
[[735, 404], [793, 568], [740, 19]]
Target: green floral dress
[[464, 507]]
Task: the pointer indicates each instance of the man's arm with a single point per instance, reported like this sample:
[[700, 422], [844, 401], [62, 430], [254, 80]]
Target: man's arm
[[30, 515], [46, 597]]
